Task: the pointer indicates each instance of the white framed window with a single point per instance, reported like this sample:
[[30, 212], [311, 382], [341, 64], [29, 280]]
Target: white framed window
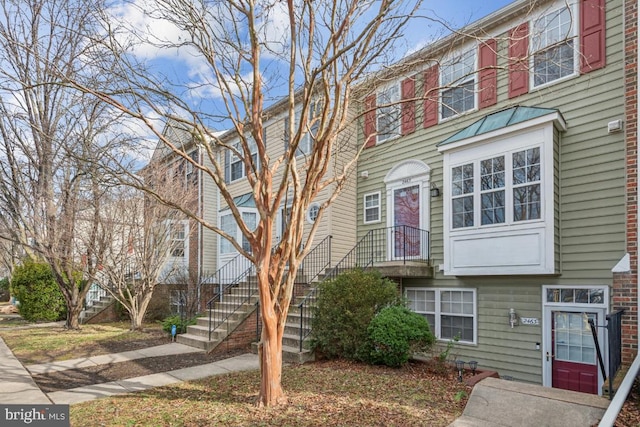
[[503, 189], [312, 212], [462, 195], [305, 146], [554, 47], [177, 301], [450, 312], [236, 168], [177, 236], [372, 208], [250, 219], [228, 225], [388, 113], [189, 172], [458, 78]]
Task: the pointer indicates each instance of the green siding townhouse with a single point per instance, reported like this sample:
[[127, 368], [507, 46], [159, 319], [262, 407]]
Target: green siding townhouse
[[505, 142]]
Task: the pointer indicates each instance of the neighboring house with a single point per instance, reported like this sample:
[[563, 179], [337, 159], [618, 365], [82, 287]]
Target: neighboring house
[[192, 260], [505, 143], [339, 220]]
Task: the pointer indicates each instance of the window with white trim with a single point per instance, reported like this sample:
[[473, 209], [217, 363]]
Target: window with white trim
[[307, 141], [229, 225], [450, 312], [177, 301], [250, 219], [388, 113], [553, 45], [236, 166], [312, 212], [458, 78], [177, 238], [506, 188], [372, 208]]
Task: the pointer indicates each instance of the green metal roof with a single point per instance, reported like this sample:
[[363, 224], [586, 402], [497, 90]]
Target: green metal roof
[[499, 120], [244, 201]]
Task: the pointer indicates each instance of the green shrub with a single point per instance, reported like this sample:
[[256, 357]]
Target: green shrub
[[35, 288], [181, 324], [395, 334], [345, 306]]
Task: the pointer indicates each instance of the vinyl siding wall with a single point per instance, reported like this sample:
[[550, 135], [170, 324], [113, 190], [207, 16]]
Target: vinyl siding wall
[[209, 239], [339, 220], [589, 201]]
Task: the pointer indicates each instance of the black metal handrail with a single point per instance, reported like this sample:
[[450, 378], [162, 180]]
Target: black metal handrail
[[614, 333], [398, 243], [228, 277], [315, 263]]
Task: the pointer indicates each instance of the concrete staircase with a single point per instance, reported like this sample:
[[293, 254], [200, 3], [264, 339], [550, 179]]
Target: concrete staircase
[[291, 339], [96, 308], [198, 335]]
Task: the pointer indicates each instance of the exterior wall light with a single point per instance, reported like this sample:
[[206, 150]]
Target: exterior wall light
[[435, 191], [513, 317]]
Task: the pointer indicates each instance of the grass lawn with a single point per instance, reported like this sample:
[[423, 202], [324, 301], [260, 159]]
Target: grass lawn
[[319, 394], [46, 344], [335, 393]]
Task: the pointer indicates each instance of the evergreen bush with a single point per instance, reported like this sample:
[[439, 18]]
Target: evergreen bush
[[35, 288], [181, 324], [345, 306], [395, 333]]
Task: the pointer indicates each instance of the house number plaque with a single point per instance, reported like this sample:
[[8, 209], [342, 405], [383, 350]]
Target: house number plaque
[[529, 321]]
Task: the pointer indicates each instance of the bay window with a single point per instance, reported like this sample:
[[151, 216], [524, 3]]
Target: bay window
[[481, 191]]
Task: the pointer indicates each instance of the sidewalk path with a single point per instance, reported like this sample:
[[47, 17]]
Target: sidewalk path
[[18, 387], [81, 394]]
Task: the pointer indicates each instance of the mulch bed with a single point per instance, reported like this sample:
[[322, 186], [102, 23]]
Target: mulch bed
[[72, 378]]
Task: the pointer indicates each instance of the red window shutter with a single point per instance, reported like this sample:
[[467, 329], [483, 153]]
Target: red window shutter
[[431, 96], [370, 121], [408, 107], [488, 73], [518, 60], [592, 35]]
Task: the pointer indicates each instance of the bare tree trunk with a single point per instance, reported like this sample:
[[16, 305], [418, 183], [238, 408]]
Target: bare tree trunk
[[270, 354], [73, 315]]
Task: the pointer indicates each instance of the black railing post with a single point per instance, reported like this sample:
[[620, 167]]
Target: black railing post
[[594, 332]]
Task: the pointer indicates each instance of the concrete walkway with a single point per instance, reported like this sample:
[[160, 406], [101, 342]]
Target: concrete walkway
[[495, 402], [17, 386]]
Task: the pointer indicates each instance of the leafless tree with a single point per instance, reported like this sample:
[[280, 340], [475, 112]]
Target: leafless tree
[[319, 49], [52, 137], [146, 239]]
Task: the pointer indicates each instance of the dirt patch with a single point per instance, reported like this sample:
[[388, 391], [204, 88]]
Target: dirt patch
[[72, 378]]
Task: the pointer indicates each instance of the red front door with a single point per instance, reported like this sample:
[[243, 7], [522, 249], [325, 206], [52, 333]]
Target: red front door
[[574, 365], [406, 212]]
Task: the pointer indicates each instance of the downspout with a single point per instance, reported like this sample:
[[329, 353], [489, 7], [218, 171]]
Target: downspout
[[200, 234]]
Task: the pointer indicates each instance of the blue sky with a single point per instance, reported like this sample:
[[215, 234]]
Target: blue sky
[[184, 66]]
